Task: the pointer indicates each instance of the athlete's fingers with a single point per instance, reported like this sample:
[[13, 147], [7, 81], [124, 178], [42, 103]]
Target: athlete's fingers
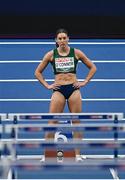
[[56, 86], [76, 85]]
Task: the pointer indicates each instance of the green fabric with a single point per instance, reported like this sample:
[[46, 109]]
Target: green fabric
[[64, 64]]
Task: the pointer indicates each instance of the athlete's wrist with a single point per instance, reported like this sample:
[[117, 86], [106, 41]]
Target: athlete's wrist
[[86, 81]]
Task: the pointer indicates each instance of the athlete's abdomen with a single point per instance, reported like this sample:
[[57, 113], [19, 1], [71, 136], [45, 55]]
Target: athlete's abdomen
[[65, 78]]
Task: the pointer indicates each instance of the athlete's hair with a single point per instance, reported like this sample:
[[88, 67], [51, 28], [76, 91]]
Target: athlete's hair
[[61, 30]]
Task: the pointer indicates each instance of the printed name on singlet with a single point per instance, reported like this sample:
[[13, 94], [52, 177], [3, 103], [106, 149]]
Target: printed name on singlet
[[64, 62]]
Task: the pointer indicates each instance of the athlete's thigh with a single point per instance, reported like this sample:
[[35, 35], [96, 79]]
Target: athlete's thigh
[[75, 102], [57, 103]]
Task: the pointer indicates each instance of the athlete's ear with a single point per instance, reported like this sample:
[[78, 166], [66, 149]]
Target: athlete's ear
[[56, 40]]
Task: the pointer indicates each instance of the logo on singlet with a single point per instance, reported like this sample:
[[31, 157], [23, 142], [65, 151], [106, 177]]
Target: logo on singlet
[[64, 64]]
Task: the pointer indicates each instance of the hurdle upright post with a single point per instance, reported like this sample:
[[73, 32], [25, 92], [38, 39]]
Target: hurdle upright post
[[116, 142], [116, 136]]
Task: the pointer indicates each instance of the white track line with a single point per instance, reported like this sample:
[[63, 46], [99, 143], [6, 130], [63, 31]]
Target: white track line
[[51, 80], [50, 42], [48, 100], [38, 61], [114, 174]]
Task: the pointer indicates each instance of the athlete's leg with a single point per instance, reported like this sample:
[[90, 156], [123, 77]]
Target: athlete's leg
[[56, 106], [75, 102], [57, 103], [75, 106]]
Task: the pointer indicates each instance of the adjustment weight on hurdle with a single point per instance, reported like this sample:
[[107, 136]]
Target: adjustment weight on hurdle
[[61, 155]]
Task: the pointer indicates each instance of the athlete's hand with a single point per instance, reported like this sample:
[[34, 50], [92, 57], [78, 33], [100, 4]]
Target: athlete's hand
[[53, 86], [79, 84]]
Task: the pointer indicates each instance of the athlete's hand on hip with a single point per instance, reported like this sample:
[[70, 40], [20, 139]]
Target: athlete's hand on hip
[[79, 84], [53, 86]]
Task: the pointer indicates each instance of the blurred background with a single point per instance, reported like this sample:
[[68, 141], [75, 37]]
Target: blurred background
[[82, 18]]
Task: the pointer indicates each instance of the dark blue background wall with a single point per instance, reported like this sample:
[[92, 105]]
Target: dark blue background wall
[[56, 7], [84, 19]]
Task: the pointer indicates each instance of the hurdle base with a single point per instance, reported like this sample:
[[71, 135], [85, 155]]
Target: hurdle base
[[51, 155]]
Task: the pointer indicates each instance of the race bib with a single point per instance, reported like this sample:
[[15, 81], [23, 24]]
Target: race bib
[[64, 64]]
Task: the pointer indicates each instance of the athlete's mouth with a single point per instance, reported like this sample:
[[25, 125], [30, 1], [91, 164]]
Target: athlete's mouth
[[62, 44]]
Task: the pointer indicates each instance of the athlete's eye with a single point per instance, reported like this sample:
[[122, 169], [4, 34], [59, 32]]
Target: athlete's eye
[[61, 38]]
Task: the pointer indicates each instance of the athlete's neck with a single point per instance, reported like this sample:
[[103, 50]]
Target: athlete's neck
[[64, 50]]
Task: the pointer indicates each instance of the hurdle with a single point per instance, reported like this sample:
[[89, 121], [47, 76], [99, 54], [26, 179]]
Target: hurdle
[[115, 120]]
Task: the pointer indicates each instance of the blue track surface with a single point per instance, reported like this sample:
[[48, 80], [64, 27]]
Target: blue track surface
[[104, 94], [20, 92]]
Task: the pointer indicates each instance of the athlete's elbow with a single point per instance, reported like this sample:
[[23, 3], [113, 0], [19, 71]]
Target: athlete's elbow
[[94, 68], [36, 73]]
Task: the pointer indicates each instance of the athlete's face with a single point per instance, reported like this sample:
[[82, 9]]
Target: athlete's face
[[62, 39]]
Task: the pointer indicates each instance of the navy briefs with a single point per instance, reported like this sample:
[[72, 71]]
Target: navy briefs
[[66, 90]]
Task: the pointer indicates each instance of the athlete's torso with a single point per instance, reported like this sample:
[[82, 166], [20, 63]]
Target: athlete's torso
[[64, 64], [64, 67]]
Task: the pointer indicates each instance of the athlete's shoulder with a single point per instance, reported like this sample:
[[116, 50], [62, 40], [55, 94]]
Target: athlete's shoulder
[[78, 53], [49, 55]]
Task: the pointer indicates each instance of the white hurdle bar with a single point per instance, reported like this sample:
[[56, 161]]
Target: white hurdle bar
[[111, 115]]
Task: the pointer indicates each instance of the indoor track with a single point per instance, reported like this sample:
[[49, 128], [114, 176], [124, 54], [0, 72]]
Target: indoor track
[[20, 92]]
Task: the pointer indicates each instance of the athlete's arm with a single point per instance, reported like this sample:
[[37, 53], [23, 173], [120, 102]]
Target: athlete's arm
[[41, 67], [92, 68], [38, 72]]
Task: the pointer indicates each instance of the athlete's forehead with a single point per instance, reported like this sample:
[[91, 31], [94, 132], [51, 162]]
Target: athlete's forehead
[[62, 35]]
